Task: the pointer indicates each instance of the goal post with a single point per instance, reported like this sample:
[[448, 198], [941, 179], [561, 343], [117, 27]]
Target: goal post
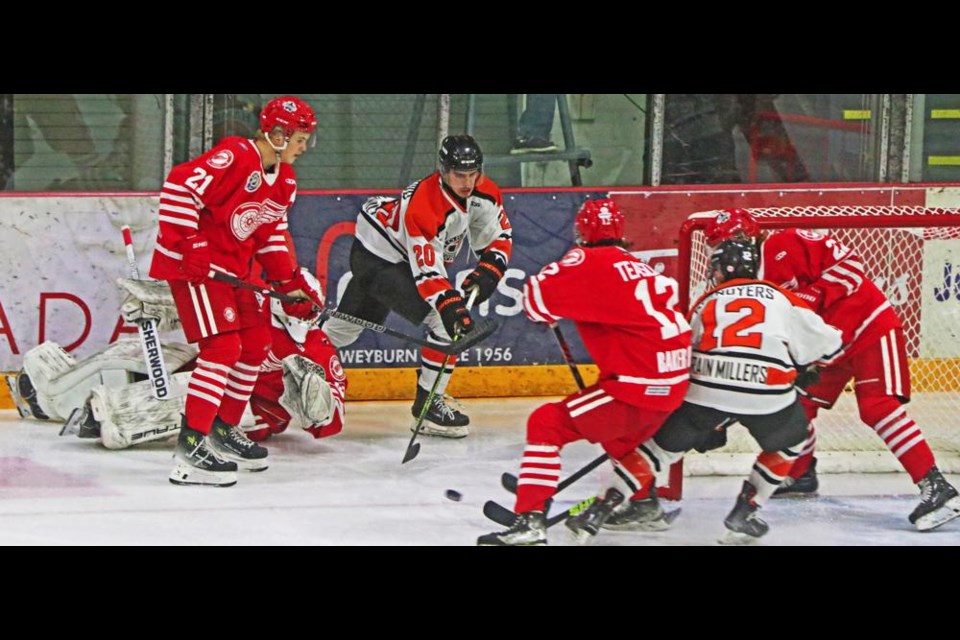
[[913, 255]]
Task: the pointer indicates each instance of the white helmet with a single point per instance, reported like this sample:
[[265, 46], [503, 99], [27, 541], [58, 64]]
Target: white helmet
[[297, 328]]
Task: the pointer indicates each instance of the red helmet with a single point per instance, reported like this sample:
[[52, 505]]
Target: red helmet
[[598, 220], [289, 112], [727, 223]]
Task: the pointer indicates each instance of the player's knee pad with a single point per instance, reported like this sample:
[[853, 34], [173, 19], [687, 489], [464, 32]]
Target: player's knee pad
[[255, 343], [875, 409], [223, 349], [785, 436], [341, 332], [546, 424]]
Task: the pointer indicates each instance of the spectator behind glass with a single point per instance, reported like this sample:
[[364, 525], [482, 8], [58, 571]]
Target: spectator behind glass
[[535, 125]]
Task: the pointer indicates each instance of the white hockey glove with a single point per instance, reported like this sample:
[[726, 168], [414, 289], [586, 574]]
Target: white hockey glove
[[307, 396], [150, 300]]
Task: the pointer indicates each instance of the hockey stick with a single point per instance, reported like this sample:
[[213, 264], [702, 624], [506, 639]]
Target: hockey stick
[[147, 328], [413, 448], [508, 480], [481, 331], [503, 516]]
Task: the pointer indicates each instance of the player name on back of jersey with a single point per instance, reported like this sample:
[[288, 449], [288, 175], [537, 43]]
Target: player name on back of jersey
[[718, 367], [634, 270], [675, 360], [764, 291]]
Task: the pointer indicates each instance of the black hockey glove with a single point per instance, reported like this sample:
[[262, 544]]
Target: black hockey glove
[[488, 273], [713, 439], [807, 376], [453, 312]]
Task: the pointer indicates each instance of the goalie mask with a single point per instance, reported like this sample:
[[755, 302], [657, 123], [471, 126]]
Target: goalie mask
[[297, 328], [731, 224]]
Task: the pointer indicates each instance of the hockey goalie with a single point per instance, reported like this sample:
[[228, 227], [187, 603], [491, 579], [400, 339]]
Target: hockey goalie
[[107, 395]]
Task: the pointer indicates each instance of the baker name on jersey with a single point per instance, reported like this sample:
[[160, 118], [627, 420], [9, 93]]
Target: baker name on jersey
[[676, 360]]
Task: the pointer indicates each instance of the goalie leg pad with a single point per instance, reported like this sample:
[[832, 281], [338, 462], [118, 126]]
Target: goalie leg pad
[[130, 415]]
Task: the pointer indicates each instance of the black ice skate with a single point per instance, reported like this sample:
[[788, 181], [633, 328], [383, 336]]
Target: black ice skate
[[231, 443], [586, 524], [803, 487], [196, 464], [441, 420], [529, 529], [743, 524], [939, 502], [82, 423], [641, 515]]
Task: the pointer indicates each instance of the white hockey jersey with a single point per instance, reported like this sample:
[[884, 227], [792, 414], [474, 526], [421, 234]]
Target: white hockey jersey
[[426, 228], [749, 337]]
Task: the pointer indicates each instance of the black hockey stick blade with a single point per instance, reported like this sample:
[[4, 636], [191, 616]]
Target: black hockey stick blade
[[411, 452], [505, 517], [481, 331], [498, 513], [509, 482]]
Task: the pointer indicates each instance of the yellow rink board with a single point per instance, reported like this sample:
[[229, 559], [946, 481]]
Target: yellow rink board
[[545, 380], [467, 382]]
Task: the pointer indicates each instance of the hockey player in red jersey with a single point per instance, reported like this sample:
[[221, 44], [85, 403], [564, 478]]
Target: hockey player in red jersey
[[301, 383], [301, 380], [626, 314], [219, 212], [830, 278], [399, 262]]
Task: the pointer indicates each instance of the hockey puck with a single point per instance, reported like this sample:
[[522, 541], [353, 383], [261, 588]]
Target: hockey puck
[[453, 495]]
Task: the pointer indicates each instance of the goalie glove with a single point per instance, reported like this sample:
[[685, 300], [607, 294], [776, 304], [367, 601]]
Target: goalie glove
[[149, 300], [307, 395], [485, 276]]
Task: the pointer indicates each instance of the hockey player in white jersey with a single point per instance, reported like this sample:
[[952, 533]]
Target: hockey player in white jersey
[[751, 339]]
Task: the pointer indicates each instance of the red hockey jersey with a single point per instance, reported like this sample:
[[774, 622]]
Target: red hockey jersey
[[830, 278], [265, 401], [242, 211], [627, 316]]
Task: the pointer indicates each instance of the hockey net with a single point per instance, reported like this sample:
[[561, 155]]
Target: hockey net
[[913, 255]]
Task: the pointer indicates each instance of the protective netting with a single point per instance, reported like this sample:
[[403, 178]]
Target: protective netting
[[913, 255]]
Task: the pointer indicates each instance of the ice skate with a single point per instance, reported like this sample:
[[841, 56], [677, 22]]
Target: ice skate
[[529, 529], [939, 502]]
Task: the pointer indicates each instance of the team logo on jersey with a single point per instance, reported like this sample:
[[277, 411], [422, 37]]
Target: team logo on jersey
[[230, 314], [290, 181], [336, 369], [452, 247], [806, 234], [221, 159], [249, 216], [253, 182], [573, 257]]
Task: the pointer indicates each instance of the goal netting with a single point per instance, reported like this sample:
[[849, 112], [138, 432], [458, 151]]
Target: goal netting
[[913, 255]]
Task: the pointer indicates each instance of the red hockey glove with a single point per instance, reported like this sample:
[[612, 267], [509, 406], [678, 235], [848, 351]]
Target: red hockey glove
[[195, 264], [306, 288], [485, 277]]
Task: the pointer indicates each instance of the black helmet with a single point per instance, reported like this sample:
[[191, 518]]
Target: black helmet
[[460, 153], [735, 259]]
